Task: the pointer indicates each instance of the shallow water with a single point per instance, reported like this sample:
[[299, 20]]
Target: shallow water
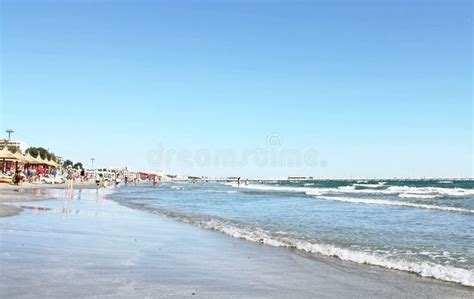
[[424, 227], [83, 245]]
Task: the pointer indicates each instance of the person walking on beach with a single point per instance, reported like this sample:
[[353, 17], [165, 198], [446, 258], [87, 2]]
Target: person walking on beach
[[69, 177], [97, 180], [83, 174], [117, 180]]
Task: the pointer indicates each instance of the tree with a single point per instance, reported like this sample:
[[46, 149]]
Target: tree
[[67, 163], [42, 152], [78, 165], [33, 151], [13, 149]]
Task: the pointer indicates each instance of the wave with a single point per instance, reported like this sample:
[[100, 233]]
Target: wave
[[425, 269], [379, 185], [218, 191], [421, 196], [396, 190], [395, 203], [432, 190], [262, 187], [408, 192]]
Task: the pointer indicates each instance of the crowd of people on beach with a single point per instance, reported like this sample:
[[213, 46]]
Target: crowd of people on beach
[[70, 176], [32, 174]]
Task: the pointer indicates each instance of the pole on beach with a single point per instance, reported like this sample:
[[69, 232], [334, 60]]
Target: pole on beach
[[9, 132]]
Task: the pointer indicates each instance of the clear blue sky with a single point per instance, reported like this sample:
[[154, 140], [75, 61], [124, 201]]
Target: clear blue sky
[[379, 88]]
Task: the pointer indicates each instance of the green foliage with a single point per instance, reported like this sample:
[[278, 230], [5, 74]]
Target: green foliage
[[78, 165], [42, 152], [67, 163], [33, 151], [13, 149]]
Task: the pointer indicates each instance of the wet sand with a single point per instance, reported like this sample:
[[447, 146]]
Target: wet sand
[[90, 246], [29, 192]]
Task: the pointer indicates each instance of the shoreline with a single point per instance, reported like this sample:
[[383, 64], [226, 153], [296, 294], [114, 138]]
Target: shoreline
[[313, 250], [102, 248]]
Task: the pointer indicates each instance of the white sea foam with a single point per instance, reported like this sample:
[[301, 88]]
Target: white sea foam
[[219, 191], [400, 191], [432, 190], [408, 192], [425, 269], [394, 203], [262, 187], [421, 196]]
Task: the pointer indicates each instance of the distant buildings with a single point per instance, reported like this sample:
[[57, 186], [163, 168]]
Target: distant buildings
[[300, 178]]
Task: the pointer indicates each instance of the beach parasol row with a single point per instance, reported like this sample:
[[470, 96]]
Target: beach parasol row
[[5, 154]]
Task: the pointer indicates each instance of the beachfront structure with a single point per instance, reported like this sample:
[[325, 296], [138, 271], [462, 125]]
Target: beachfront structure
[[7, 156], [20, 145], [299, 178]]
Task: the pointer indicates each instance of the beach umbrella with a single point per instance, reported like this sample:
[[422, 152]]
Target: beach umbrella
[[30, 159], [41, 160], [5, 154], [20, 157], [52, 163]]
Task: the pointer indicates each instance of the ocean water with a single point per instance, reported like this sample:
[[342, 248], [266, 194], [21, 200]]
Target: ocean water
[[425, 227]]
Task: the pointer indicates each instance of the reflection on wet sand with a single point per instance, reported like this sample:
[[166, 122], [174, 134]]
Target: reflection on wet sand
[[70, 196]]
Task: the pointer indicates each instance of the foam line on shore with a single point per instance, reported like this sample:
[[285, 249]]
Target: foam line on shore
[[395, 203], [401, 191], [424, 269]]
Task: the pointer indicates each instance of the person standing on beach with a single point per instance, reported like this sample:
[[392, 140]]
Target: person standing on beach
[[97, 180], [117, 180], [69, 177], [83, 174]]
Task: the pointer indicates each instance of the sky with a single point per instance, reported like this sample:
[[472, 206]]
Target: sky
[[330, 89]]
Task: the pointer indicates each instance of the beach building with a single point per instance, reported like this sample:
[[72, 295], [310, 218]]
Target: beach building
[[299, 178], [20, 145]]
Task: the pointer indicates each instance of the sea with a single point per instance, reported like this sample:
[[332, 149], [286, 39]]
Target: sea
[[420, 226]]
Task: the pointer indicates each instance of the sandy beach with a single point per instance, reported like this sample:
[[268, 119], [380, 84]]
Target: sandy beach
[[29, 192], [91, 246]]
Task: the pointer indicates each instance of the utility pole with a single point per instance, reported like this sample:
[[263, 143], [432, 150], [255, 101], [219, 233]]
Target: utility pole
[[92, 160], [9, 132]]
